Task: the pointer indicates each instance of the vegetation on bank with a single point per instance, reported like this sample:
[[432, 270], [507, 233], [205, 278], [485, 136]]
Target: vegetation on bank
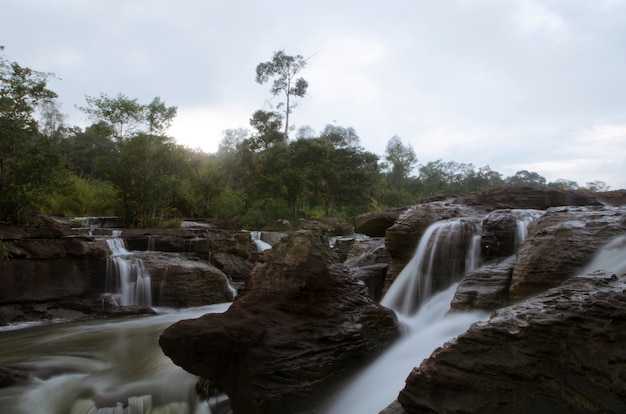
[[125, 164]]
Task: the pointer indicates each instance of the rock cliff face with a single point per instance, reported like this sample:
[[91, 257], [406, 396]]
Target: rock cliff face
[[403, 236], [55, 271], [563, 351], [302, 325]]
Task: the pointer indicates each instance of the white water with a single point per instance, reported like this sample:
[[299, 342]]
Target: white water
[[378, 385], [414, 284], [102, 363], [260, 244], [524, 218], [127, 281], [611, 258]]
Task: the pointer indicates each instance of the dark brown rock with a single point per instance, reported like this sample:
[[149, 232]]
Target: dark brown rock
[[559, 243], [373, 276], [376, 223], [518, 197], [179, 281], [302, 325], [486, 288], [12, 376], [563, 351]]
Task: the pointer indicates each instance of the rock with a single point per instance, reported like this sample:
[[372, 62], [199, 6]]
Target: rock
[[485, 288], [12, 376], [561, 242], [373, 276], [376, 223], [367, 252], [302, 325], [518, 197], [179, 281], [563, 351]]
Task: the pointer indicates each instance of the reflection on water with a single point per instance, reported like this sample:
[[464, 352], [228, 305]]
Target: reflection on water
[[77, 365]]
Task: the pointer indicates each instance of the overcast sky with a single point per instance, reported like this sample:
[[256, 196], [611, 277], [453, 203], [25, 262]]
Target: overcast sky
[[513, 84]]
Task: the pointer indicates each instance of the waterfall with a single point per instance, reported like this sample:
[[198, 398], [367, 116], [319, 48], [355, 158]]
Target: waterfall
[[610, 258], [378, 384], [524, 218], [447, 250], [127, 282], [260, 244]]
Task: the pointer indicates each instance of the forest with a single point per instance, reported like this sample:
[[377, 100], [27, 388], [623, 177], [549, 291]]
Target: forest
[[124, 163]]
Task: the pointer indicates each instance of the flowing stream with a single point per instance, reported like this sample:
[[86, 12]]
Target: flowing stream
[[100, 363]]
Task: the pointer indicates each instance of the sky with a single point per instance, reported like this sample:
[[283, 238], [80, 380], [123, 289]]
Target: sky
[[536, 85]]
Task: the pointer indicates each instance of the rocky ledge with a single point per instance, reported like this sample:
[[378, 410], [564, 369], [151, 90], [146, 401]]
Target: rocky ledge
[[563, 351], [302, 325]]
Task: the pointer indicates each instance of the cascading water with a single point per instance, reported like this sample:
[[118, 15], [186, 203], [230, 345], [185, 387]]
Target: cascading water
[[260, 244], [127, 282], [378, 384], [450, 248], [524, 218], [611, 258]]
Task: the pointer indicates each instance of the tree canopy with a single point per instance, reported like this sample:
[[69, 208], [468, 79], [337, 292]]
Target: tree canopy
[[124, 163]]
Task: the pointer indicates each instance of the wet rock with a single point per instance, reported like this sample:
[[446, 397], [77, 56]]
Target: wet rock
[[485, 288], [373, 276], [302, 325], [519, 197], [563, 351], [12, 376], [376, 223], [367, 252], [180, 281], [561, 242]]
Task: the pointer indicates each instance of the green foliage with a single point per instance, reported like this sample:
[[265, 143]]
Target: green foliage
[[28, 161], [127, 117], [527, 178], [5, 255], [78, 197]]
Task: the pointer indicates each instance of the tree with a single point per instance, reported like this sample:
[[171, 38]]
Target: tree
[[284, 68], [597, 186], [122, 113], [159, 117], [27, 162], [399, 162], [267, 125], [528, 178]]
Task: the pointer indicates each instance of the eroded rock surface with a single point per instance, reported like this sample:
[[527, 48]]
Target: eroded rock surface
[[561, 352], [302, 325]]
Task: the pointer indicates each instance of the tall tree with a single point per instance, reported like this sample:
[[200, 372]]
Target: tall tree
[[25, 159], [283, 69]]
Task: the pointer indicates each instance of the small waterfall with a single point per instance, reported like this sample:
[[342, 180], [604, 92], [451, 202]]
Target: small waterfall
[[610, 258], [447, 250], [524, 218], [126, 279], [260, 244]]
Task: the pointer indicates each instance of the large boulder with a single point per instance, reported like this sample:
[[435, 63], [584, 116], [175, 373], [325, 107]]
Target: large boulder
[[180, 281], [376, 223], [302, 325], [563, 351], [559, 243]]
